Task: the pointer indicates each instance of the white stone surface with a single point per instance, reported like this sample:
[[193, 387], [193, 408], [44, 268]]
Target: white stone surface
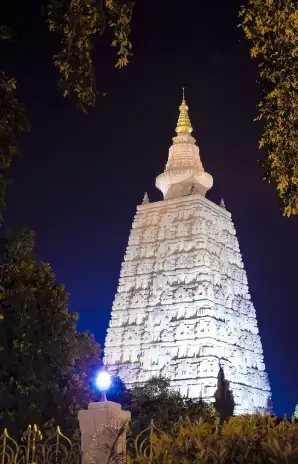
[[93, 421], [184, 173], [183, 304]]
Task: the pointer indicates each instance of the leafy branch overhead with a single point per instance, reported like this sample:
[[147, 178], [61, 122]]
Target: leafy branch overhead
[[79, 22], [272, 26], [12, 121]]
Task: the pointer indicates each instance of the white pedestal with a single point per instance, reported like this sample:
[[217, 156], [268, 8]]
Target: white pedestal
[[93, 423]]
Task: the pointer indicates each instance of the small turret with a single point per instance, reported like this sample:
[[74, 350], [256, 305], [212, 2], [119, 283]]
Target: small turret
[[222, 204], [145, 199]]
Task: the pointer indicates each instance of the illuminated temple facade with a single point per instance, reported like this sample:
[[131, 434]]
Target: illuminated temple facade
[[183, 307]]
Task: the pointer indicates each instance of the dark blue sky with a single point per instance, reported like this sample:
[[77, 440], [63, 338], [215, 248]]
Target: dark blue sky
[[80, 177]]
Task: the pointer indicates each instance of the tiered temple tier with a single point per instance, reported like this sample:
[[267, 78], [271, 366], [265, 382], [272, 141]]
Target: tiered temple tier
[[183, 305]]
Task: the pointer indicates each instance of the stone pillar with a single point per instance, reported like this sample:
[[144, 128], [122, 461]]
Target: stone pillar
[[95, 422]]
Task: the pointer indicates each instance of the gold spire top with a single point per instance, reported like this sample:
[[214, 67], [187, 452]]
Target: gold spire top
[[184, 124]]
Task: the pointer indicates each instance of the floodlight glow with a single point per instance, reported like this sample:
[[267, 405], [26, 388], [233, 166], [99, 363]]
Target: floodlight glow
[[103, 380]]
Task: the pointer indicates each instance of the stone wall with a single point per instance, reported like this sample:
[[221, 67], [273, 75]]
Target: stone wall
[[183, 305]]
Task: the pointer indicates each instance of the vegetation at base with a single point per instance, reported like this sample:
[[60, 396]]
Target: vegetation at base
[[272, 27], [46, 366], [254, 439], [224, 399], [155, 400]]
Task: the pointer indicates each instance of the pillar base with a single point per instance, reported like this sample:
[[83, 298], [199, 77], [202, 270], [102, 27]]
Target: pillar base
[[94, 424]]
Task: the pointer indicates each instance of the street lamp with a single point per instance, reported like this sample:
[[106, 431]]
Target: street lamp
[[103, 382]]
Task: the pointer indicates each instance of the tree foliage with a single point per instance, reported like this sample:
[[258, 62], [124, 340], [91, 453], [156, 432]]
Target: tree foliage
[[117, 391], [247, 439], [272, 27], [155, 400], [46, 366], [78, 22], [13, 121], [296, 412], [224, 400]]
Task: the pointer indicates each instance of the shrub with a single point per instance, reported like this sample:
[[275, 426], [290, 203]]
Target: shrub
[[243, 439]]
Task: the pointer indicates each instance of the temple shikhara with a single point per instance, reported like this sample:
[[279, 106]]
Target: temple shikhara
[[183, 308]]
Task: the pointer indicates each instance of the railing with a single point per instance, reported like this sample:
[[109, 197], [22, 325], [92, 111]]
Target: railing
[[253, 438], [33, 448]]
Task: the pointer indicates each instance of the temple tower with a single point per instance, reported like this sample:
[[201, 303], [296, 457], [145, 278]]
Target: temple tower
[[183, 306]]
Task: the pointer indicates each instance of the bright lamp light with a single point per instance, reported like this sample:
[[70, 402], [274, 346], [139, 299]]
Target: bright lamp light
[[103, 380]]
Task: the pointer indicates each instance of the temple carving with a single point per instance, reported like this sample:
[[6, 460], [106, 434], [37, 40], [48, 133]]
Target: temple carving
[[183, 308]]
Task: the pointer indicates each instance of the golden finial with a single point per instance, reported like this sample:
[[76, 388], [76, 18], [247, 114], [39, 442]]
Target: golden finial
[[184, 124]]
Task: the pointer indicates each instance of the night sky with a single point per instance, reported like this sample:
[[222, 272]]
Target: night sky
[[80, 178]]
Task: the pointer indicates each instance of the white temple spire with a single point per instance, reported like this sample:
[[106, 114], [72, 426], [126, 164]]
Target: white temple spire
[[182, 307], [184, 124], [184, 172]]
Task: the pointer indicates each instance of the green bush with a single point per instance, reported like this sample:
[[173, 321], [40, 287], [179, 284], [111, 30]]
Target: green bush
[[243, 439]]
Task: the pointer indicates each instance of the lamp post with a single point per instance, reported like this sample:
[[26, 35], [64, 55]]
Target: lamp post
[[103, 383], [97, 418]]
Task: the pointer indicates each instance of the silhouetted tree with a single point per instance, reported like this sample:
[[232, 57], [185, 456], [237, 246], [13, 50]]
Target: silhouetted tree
[[118, 392], [224, 399], [158, 401], [269, 408], [46, 365]]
